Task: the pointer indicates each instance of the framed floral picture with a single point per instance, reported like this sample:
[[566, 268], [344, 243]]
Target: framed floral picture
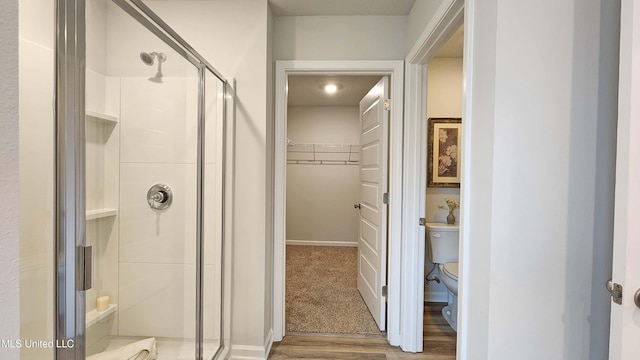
[[443, 167]]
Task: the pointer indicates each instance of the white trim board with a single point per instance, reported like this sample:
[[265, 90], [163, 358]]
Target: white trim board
[[246, 352], [394, 69], [322, 243]]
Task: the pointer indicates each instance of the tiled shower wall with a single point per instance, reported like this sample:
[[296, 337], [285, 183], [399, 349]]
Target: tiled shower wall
[[157, 255]]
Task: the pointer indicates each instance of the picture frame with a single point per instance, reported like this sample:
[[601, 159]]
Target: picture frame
[[443, 148]]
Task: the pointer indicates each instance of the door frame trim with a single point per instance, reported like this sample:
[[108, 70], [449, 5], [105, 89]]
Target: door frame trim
[[626, 230], [446, 20], [395, 70]]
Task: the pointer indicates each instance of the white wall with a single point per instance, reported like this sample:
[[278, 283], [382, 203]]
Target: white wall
[[340, 37], [9, 210], [444, 99], [539, 178], [419, 17], [320, 197]]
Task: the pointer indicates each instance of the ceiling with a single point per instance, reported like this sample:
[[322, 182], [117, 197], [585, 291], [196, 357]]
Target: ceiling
[[340, 7], [306, 90]]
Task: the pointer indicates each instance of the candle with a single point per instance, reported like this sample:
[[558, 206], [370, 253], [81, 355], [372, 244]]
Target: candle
[[102, 303]]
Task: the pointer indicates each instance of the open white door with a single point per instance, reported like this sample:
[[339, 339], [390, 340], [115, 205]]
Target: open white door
[[372, 240], [625, 317]]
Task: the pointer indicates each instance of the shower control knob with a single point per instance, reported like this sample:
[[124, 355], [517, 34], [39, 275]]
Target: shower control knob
[[357, 206], [159, 196]]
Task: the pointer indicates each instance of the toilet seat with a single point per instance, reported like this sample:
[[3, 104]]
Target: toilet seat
[[451, 270], [449, 276]]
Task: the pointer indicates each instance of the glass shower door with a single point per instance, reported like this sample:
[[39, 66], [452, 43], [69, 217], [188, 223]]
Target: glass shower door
[[141, 192], [153, 193]]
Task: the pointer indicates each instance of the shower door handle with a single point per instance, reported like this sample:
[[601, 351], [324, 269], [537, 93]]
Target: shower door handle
[[84, 277]]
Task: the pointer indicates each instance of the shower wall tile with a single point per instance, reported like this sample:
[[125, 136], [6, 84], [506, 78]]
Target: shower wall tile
[[212, 215], [157, 300], [212, 290], [37, 21], [102, 234], [112, 96], [148, 290], [96, 35], [95, 91], [214, 95], [156, 127], [154, 236]]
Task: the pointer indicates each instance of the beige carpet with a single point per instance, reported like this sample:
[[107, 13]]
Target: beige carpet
[[321, 292]]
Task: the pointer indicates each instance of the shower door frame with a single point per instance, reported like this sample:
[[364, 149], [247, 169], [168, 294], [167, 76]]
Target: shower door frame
[[73, 261]]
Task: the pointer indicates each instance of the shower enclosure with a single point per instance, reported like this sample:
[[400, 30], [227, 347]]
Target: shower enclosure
[[134, 234]]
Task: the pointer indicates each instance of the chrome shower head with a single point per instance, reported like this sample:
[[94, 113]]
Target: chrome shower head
[[148, 58]]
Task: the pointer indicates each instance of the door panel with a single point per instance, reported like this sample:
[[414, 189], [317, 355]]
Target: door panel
[[625, 318], [372, 247]]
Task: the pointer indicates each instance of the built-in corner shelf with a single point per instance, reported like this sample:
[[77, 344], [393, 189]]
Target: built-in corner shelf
[[101, 213], [102, 116], [94, 316]]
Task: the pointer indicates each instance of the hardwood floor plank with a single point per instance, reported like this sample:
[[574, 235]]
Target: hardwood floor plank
[[439, 343]]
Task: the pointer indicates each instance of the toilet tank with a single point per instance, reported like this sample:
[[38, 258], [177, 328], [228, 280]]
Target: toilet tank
[[442, 242]]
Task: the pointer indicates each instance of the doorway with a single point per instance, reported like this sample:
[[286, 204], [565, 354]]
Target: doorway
[[322, 208], [284, 71]]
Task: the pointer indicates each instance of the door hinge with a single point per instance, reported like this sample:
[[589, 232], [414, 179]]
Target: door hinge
[[616, 292], [84, 278], [384, 291], [385, 198], [422, 222], [387, 104]]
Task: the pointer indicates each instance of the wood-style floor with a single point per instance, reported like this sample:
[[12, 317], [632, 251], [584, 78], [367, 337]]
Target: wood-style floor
[[439, 343]]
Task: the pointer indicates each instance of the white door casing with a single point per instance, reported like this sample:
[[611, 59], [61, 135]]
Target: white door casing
[[400, 270], [372, 239], [625, 318]]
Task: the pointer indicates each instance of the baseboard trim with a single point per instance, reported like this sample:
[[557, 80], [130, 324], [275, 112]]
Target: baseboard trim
[[436, 297], [322, 243], [267, 343], [249, 352]]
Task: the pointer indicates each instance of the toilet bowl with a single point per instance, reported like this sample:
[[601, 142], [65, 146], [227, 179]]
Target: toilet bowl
[[449, 277], [442, 242]]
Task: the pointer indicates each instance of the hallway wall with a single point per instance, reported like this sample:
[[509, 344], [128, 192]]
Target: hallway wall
[[340, 37], [540, 178], [9, 209]]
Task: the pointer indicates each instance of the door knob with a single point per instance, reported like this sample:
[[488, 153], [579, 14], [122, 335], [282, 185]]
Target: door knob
[[636, 298], [357, 206]]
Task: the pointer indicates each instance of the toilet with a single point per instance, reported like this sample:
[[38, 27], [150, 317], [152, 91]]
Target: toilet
[[442, 242]]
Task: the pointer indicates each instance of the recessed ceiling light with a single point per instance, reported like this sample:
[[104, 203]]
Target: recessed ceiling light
[[330, 88]]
